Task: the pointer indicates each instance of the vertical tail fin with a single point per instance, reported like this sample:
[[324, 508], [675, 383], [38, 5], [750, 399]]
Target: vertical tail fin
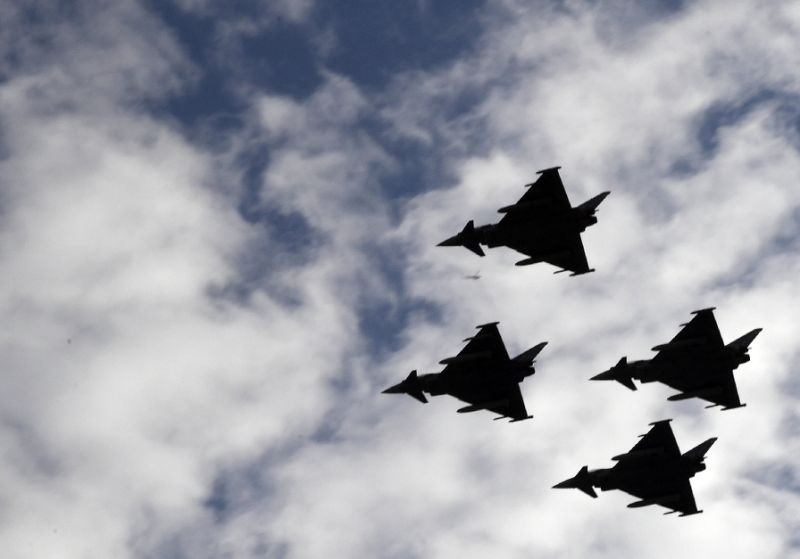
[[591, 204], [527, 357], [699, 452], [741, 344]]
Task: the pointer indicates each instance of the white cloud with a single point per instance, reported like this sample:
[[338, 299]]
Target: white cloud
[[618, 115], [132, 381], [141, 382], [293, 10], [127, 382]]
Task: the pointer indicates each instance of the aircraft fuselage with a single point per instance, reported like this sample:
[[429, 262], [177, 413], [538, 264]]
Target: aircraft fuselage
[[645, 473], [437, 384], [554, 226], [687, 365]]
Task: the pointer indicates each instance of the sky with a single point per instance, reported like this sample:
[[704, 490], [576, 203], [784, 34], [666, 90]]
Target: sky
[[218, 229]]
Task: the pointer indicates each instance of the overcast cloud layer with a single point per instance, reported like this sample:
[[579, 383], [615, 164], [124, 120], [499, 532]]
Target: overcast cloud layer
[[217, 246]]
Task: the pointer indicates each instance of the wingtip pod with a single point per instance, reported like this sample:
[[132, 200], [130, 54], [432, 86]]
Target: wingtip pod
[[548, 170], [573, 274], [690, 513], [707, 309], [726, 408]]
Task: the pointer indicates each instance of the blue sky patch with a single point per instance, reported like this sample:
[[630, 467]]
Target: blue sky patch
[[376, 40]]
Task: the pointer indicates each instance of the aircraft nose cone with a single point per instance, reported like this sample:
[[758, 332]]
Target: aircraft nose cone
[[453, 241], [566, 484], [605, 375], [396, 389]]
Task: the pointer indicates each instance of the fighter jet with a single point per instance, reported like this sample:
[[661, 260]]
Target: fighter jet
[[654, 470], [475, 276], [482, 375], [696, 362], [542, 225]]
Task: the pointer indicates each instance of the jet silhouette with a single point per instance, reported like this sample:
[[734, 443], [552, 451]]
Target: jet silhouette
[[482, 374], [542, 225], [654, 470], [696, 362]]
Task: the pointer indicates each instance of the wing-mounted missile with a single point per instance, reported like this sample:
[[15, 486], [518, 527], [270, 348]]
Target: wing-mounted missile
[[483, 406], [682, 344], [411, 386], [699, 393], [668, 500], [638, 454], [660, 500], [573, 274], [514, 420], [726, 408], [529, 261], [582, 480], [466, 357], [524, 207], [468, 238], [543, 257], [620, 373]]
